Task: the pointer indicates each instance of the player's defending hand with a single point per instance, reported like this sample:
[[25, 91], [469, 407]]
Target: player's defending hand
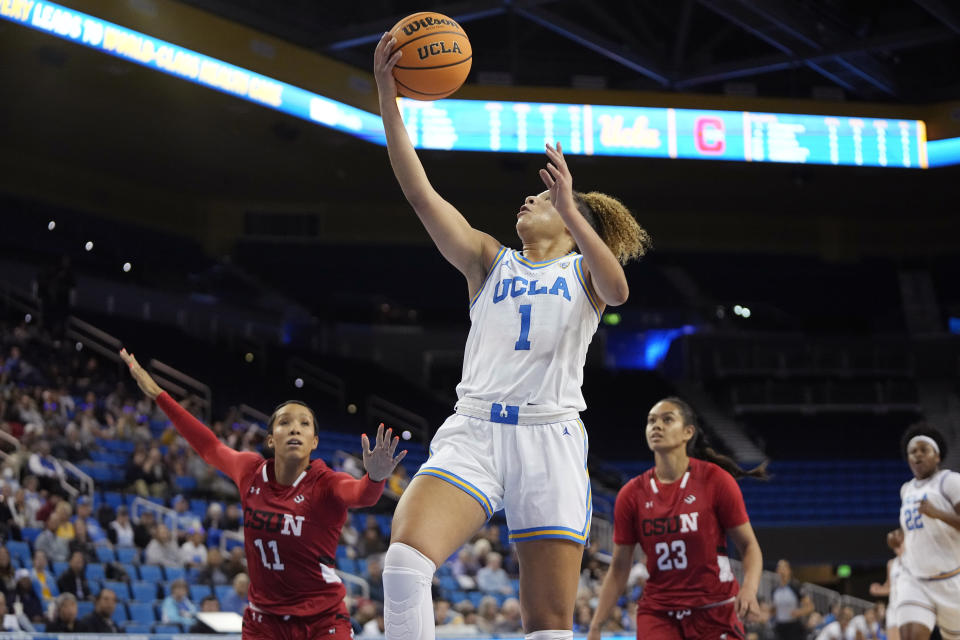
[[384, 59], [144, 381], [559, 181], [380, 461], [747, 605]]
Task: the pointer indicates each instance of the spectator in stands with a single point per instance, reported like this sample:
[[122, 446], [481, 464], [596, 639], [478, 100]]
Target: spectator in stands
[[85, 513], [162, 549], [41, 464], [10, 622], [177, 607], [375, 576], [155, 474], [349, 536], [144, 529], [235, 564], [509, 619], [7, 571], [193, 552], [236, 600], [121, 531], [71, 447], [208, 605], [212, 572], [864, 626], [47, 507], [134, 476], [443, 614], [81, 542], [487, 614], [583, 616], [492, 579], [73, 579], [371, 541], [9, 527], [28, 502], [791, 605], [233, 519], [214, 516], [25, 594], [398, 480], [365, 614], [100, 620], [464, 568], [65, 617], [40, 573], [64, 512], [184, 518], [837, 630]]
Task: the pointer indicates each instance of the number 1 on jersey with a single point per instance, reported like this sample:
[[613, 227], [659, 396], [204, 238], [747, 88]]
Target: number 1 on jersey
[[523, 344]]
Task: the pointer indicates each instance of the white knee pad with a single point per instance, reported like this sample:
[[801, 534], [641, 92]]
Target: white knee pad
[[407, 606], [550, 634]]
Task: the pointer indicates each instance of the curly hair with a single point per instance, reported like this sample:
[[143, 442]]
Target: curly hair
[[923, 429], [614, 223]]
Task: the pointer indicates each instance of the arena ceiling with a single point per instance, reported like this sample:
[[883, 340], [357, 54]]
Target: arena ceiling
[[878, 50]]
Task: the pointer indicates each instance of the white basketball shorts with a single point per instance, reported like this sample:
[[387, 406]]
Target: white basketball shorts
[[930, 602], [529, 462]]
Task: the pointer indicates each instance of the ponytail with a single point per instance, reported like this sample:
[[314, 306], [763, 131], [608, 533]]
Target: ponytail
[[699, 447]]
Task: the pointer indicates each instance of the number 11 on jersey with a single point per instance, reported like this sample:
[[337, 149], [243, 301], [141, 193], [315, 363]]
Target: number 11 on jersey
[[523, 343]]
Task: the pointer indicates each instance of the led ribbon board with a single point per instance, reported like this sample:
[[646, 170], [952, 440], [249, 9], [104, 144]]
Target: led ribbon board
[[476, 125], [744, 136]]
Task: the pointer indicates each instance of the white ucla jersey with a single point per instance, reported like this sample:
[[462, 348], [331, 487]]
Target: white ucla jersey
[[531, 324], [931, 547]]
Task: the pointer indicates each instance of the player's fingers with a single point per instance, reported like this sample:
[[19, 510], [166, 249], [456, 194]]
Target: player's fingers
[[394, 59], [554, 171], [365, 444], [401, 456], [387, 437], [394, 444], [546, 177]]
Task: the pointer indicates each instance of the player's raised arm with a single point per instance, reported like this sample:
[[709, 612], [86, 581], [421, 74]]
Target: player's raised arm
[[379, 462], [467, 249], [215, 453]]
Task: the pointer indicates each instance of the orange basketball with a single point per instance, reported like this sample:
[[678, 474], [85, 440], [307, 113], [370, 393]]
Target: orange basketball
[[436, 55]]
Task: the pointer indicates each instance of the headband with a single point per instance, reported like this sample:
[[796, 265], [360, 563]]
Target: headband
[[930, 441]]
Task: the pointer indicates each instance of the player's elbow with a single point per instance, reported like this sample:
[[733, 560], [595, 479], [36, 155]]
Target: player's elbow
[[617, 295]]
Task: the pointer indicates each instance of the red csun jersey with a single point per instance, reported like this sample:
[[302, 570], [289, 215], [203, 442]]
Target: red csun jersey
[[681, 527], [290, 532]]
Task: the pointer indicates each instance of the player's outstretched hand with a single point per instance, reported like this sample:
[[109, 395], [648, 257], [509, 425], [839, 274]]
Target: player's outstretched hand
[[559, 181], [384, 59], [747, 605], [380, 461], [147, 384]]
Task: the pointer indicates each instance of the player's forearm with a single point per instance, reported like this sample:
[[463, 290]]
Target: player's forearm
[[406, 164], [356, 493], [613, 585], [752, 567], [606, 273], [200, 438]]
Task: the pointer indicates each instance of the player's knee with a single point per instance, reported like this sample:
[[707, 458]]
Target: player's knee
[[407, 607]]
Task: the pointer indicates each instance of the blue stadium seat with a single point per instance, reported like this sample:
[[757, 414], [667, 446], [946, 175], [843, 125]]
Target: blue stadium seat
[[113, 498], [142, 612], [222, 591], [167, 628], [144, 591], [59, 568], [185, 483], [105, 554], [341, 552], [120, 613], [120, 588], [95, 571], [84, 608], [30, 534], [20, 550], [348, 565], [128, 555], [151, 573], [130, 570], [39, 627], [136, 627], [198, 592], [174, 573]]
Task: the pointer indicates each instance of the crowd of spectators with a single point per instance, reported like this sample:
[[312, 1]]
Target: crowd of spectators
[[84, 562]]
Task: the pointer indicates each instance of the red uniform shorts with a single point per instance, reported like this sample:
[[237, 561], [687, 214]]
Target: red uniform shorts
[[708, 623], [258, 625]]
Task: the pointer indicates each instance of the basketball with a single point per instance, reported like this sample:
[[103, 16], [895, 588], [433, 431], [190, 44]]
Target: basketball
[[436, 55]]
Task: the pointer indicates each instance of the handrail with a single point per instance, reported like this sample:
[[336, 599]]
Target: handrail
[[382, 410], [253, 416], [184, 384], [85, 479], [153, 506], [93, 338], [356, 580], [9, 438]]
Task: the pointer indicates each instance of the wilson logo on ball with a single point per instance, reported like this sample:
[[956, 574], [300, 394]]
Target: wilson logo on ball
[[412, 27]]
